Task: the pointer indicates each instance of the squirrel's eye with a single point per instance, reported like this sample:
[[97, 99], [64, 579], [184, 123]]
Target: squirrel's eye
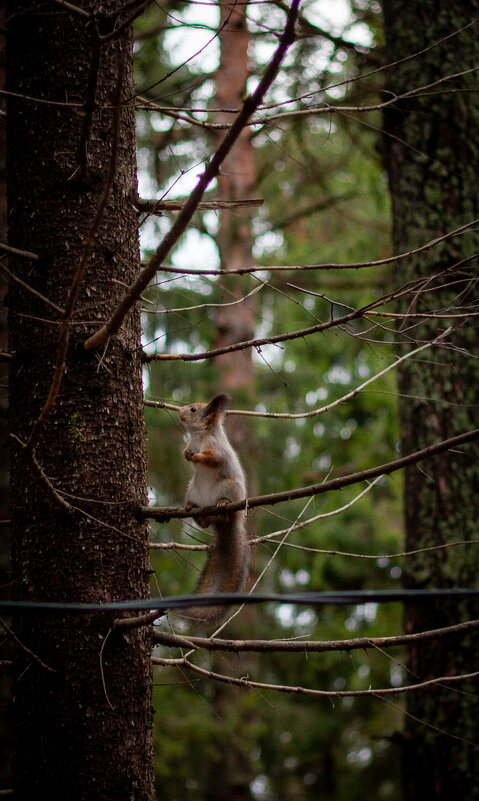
[[193, 408]]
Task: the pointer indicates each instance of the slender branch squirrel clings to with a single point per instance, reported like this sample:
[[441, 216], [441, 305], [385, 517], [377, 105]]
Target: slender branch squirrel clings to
[[218, 479]]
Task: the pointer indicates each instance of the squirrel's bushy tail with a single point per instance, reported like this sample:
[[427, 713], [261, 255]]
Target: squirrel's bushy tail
[[226, 569]]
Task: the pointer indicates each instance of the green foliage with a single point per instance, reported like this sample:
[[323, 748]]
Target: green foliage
[[212, 740]]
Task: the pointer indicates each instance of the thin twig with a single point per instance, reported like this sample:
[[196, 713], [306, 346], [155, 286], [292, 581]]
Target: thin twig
[[41, 475], [333, 322], [102, 672], [321, 108], [80, 12], [31, 289], [347, 81], [327, 265], [158, 206], [321, 409], [21, 645], [206, 305], [26, 254], [139, 8], [285, 688], [179, 546], [136, 622]]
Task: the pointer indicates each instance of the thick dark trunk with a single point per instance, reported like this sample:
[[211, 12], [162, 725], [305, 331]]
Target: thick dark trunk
[[433, 163], [83, 731]]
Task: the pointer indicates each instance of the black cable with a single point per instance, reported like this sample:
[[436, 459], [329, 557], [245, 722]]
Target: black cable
[[351, 597]]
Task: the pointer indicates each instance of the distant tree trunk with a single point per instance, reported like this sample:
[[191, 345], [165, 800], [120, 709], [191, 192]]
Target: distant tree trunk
[[85, 730], [433, 164], [230, 776], [236, 182]]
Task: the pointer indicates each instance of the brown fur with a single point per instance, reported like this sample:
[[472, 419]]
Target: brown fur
[[218, 479]]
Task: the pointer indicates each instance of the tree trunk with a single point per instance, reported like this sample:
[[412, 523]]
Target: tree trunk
[[433, 163], [235, 182], [230, 774], [5, 565], [84, 730]]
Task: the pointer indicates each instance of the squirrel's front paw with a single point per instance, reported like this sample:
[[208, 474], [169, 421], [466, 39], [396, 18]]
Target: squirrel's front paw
[[189, 505], [188, 454], [223, 502]]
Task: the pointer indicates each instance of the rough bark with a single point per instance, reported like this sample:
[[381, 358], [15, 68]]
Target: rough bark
[[83, 731], [433, 162], [5, 571]]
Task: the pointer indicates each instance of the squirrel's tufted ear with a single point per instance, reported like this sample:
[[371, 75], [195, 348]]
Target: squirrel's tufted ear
[[217, 405]]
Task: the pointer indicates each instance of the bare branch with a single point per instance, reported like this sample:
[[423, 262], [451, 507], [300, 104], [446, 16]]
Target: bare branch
[[343, 398], [327, 266], [333, 322], [347, 81], [137, 9], [311, 646], [26, 286], [352, 555], [205, 306], [80, 12], [167, 513], [136, 622], [24, 648], [169, 546], [161, 405], [37, 468], [313, 412], [157, 206], [16, 252], [177, 546], [328, 108], [43, 101], [320, 108], [285, 688]]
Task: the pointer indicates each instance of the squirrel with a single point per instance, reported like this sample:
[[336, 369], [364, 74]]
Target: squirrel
[[218, 479]]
